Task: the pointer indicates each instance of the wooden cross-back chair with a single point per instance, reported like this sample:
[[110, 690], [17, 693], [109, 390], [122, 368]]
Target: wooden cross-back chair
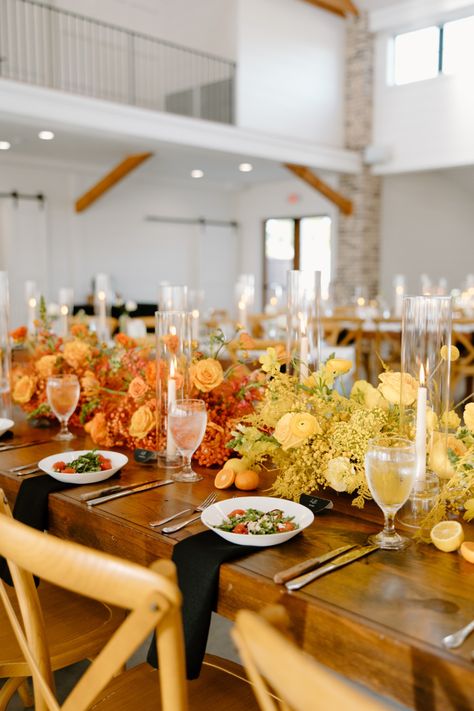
[[463, 368], [153, 600], [285, 678]]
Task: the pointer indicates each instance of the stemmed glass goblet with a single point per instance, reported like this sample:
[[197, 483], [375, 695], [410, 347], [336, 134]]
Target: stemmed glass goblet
[[390, 468], [63, 395], [187, 422]]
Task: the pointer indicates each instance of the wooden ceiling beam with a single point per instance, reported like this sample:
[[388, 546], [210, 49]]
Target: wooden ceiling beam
[[338, 7], [108, 181], [307, 175]]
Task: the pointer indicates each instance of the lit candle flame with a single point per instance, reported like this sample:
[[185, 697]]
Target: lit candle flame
[[422, 376], [64, 310], [32, 302], [101, 295]]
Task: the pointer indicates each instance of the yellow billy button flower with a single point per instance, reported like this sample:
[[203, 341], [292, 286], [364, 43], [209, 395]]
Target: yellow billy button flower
[[453, 352]]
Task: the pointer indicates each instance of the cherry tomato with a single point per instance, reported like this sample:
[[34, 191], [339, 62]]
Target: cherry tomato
[[68, 470], [236, 512], [105, 464], [240, 528], [59, 466], [288, 526]]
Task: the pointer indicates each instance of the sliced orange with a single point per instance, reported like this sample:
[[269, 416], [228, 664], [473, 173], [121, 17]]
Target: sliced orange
[[224, 478], [467, 551]]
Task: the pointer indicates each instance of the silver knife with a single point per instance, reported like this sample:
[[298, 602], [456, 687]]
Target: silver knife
[[8, 447], [349, 557], [114, 489], [309, 564], [136, 490]]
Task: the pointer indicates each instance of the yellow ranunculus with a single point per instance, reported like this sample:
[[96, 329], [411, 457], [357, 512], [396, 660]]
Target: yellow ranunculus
[[75, 353], [398, 389], [24, 389], [304, 425], [283, 433], [45, 365], [142, 422], [439, 459], [450, 420], [206, 374], [453, 352], [338, 366], [469, 416], [367, 395], [338, 473], [431, 420]]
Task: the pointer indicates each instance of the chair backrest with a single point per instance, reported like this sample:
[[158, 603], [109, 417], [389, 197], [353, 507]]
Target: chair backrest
[[277, 668], [150, 594]]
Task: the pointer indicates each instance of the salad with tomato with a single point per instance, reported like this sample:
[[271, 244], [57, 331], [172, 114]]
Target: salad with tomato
[[90, 462], [257, 523]]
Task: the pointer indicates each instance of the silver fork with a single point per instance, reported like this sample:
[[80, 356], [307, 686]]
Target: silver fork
[[207, 502], [211, 499], [452, 641]]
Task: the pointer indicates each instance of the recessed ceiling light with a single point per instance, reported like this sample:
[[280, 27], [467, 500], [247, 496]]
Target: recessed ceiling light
[[197, 173], [5, 145], [46, 135], [245, 167]]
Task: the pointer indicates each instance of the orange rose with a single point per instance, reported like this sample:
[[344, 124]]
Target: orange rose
[[24, 389], [97, 428], [142, 422], [19, 334], [90, 385], [125, 341], [45, 365], [206, 374], [171, 341], [137, 388], [79, 330], [75, 353], [246, 342]]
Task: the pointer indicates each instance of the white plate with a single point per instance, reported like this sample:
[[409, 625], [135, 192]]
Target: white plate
[[213, 516], [117, 460], [5, 425]]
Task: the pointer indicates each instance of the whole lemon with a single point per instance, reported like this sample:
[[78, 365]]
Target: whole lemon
[[238, 465]]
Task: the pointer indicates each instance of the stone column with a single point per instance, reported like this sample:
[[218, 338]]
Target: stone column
[[359, 233]]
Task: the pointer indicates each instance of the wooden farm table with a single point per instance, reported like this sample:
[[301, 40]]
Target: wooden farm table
[[378, 621]]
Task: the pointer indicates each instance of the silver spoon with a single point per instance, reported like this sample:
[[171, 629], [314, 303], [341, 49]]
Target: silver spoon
[[452, 641]]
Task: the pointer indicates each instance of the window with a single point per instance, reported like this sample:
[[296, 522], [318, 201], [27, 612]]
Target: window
[[426, 53], [416, 55], [296, 243]]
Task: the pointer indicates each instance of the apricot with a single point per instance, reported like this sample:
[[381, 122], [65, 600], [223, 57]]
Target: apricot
[[247, 480]]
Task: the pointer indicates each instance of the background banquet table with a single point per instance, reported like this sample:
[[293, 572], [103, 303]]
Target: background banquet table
[[379, 621]]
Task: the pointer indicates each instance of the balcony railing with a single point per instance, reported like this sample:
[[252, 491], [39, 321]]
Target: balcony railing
[[42, 45]]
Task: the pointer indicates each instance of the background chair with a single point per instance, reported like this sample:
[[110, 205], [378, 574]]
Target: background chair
[[153, 600], [276, 666]]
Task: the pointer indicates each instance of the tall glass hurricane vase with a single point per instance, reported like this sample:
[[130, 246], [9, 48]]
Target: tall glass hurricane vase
[[173, 354], [303, 322], [425, 391], [5, 352]]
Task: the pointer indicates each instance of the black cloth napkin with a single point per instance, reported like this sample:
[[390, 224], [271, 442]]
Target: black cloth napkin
[[198, 559], [31, 507]]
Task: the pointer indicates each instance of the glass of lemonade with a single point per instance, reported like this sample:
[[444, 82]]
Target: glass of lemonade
[[187, 420], [390, 468], [63, 395]]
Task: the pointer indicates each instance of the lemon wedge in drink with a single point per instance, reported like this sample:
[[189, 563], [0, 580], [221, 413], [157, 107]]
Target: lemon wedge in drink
[[467, 551], [447, 536]]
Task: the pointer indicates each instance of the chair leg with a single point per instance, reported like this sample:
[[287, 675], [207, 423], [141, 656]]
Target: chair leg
[[25, 694], [8, 689]]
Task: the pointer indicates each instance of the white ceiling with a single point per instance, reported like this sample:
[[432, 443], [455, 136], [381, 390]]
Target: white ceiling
[[93, 149]]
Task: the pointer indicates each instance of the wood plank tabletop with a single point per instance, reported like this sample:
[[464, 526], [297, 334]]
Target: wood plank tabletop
[[378, 621]]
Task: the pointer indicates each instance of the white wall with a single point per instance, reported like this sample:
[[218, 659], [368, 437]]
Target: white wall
[[58, 247], [291, 70], [260, 202], [426, 124], [427, 226]]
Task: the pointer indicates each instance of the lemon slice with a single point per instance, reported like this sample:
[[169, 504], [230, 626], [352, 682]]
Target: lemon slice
[[447, 535], [467, 551]]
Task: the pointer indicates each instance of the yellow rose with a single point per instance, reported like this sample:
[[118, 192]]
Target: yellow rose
[[450, 420], [338, 366], [439, 459], [338, 473], [90, 385], [97, 428], [469, 416], [392, 390], [45, 365], [206, 374], [142, 422], [24, 389], [453, 352], [367, 395], [75, 353], [304, 425], [137, 388]]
